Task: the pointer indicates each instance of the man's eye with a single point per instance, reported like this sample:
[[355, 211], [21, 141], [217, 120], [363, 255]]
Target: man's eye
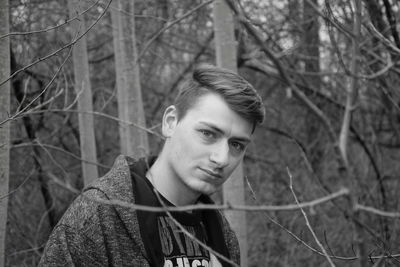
[[238, 146], [207, 134]]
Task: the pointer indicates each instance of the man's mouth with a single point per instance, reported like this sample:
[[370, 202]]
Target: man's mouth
[[213, 174]]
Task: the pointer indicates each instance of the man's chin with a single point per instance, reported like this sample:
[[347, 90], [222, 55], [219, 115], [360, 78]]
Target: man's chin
[[208, 190]]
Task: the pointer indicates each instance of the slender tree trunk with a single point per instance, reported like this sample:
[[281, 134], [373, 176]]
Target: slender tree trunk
[[31, 130], [5, 128], [294, 16], [352, 89], [84, 91], [133, 136], [351, 96], [311, 61], [119, 77], [311, 43], [233, 189]]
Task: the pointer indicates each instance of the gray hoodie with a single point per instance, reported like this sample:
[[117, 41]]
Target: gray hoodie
[[91, 233]]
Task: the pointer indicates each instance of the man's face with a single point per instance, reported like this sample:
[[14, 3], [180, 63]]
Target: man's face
[[205, 146]]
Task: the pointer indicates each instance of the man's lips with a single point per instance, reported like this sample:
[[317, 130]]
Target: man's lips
[[212, 173]]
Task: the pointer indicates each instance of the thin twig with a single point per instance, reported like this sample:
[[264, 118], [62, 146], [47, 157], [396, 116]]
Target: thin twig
[[53, 27], [389, 44], [186, 232], [169, 25], [224, 206], [22, 111], [19, 186], [300, 94], [60, 49], [43, 146], [200, 206], [309, 246], [127, 123], [377, 212], [308, 222]]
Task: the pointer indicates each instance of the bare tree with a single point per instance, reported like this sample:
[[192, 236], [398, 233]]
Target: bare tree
[[133, 135], [5, 128], [84, 92], [332, 104], [233, 189]]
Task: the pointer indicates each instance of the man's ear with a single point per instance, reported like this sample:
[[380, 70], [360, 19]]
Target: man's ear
[[169, 121]]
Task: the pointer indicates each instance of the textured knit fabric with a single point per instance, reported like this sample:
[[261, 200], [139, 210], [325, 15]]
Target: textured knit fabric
[[92, 233]]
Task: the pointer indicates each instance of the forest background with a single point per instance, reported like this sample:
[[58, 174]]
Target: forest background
[[320, 179]]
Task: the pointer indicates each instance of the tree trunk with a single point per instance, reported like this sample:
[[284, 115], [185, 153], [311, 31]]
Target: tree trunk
[[311, 44], [5, 128], [133, 136], [84, 92], [351, 97], [311, 56], [31, 130], [233, 189]]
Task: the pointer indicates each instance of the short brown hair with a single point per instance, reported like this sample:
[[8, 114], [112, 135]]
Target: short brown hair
[[238, 93]]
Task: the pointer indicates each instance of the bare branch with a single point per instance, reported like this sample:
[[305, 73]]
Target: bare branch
[[43, 146], [127, 123], [169, 25], [22, 111], [377, 212], [308, 222], [316, 110], [389, 44], [186, 232], [227, 206], [19, 186], [60, 49], [53, 27]]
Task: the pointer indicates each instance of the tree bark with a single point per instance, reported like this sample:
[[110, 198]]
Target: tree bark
[[233, 189], [311, 43], [84, 92], [31, 130], [311, 61], [352, 89], [133, 136], [351, 96], [4, 129]]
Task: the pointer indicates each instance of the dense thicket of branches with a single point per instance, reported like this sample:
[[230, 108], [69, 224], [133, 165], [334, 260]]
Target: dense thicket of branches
[[308, 61]]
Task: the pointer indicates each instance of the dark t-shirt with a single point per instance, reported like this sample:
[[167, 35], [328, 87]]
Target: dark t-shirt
[[180, 248], [159, 230]]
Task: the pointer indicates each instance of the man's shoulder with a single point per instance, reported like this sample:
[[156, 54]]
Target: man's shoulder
[[119, 170], [116, 183]]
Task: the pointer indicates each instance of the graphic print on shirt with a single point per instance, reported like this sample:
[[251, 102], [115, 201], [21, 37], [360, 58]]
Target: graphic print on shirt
[[178, 248]]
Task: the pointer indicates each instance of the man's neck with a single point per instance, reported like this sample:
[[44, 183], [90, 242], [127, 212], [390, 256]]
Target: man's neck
[[169, 185]]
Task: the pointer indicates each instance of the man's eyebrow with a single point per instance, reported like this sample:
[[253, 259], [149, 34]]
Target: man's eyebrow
[[212, 126], [215, 128], [242, 139]]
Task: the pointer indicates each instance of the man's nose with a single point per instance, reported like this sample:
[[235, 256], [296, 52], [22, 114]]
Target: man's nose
[[220, 154]]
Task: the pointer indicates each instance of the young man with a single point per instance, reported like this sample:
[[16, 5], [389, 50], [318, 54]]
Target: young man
[[206, 134]]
